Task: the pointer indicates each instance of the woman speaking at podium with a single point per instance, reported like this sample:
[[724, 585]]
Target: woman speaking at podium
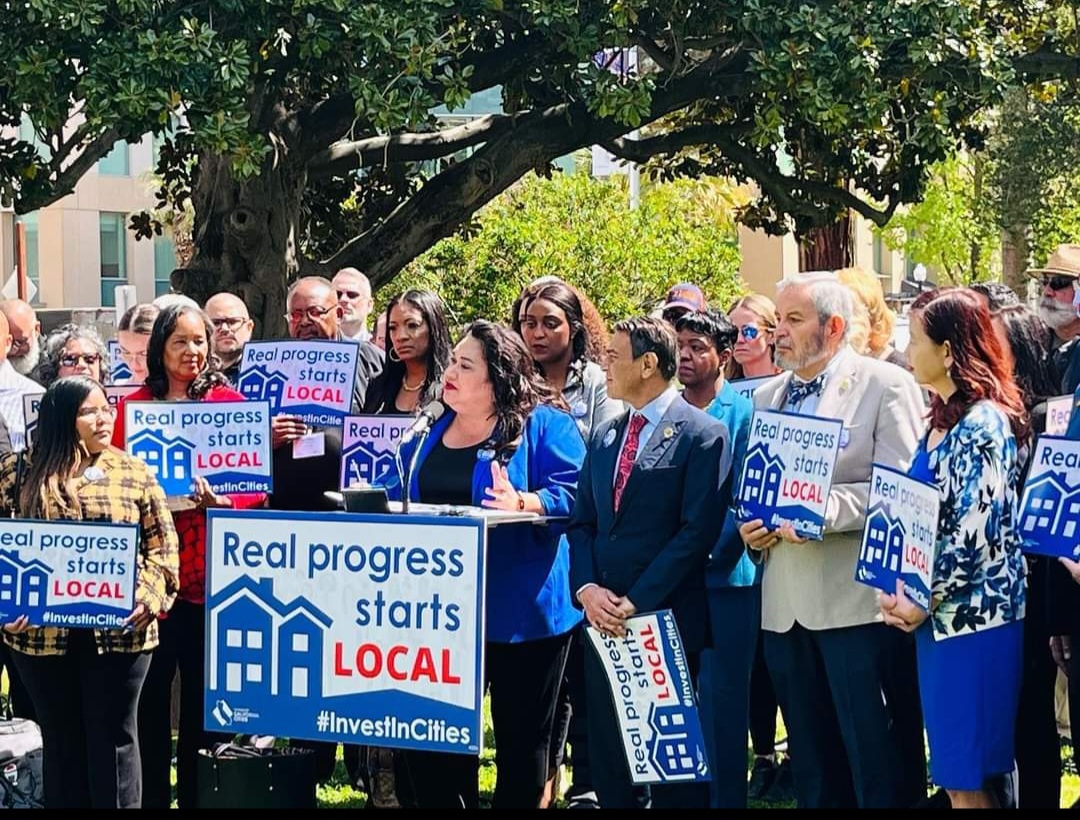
[[502, 445]]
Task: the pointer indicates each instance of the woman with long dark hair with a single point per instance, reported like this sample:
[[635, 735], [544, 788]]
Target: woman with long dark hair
[[970, 643], [180, 367], [502, 445], [417, 342], [551, 321], [85, 683], [1026, 342]]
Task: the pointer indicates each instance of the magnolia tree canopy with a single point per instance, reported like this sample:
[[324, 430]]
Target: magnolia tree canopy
[[304, 132]]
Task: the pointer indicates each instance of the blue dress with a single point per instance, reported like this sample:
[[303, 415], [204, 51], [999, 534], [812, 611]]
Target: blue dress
[[970, 688]]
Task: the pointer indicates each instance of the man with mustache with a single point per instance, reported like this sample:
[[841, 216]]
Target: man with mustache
[[1058, 308], [835, 666]]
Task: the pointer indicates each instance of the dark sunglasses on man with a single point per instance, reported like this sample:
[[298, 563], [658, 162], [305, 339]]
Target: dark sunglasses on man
[[1056, 281]]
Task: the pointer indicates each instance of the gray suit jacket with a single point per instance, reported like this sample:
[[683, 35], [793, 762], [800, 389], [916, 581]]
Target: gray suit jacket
[[882, 410]]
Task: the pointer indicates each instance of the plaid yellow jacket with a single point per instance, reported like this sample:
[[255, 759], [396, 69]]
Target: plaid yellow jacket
[[127, 494]]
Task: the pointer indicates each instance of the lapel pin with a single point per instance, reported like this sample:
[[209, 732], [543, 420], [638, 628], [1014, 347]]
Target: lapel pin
[[93, 474], [485, 454], [609, 437], [669, 432], [579, 409]]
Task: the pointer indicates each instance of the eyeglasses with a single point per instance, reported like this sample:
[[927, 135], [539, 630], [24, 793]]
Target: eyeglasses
[[750, 332], [133, 356], [314, 313], [349, 294], [106, 412], [228, 322], [1058, 282], [73, 359]]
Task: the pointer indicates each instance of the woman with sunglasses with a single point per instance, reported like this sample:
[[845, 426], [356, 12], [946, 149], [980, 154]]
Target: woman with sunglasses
[[755, 318], [181, 368], [73, 350], [85, 683]]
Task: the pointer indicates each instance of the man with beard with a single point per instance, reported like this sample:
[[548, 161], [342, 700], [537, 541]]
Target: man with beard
[[832, 661], [25, 335], [1058, 309], [232, 330]]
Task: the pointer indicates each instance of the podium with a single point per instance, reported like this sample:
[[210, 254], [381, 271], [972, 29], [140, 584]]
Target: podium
[[345, 627]]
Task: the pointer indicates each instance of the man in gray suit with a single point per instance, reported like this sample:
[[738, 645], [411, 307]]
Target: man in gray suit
[[834, 664]]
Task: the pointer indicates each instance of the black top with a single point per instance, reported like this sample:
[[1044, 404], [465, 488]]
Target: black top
[[299, 484], [446, 475]]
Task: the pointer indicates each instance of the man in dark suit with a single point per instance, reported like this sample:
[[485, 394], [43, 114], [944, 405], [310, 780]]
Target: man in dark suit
[[648, 511]]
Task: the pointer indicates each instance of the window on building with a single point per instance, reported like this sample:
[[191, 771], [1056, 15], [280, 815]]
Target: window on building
[[113, 236], [30, 223], [164, 264], [116, 163], [28, 134]]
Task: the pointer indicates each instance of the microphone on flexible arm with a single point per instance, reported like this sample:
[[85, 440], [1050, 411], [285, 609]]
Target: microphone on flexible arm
[[431, 413]]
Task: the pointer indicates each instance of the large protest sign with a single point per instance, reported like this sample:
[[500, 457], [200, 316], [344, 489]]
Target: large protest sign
[[225, 442], [368, 445], [653, 695], [788, 470], [355, 628], [311, 379], [1058, 412], [67, 573], [119, 371], [1050, 506], [746, 387], [899, 535]]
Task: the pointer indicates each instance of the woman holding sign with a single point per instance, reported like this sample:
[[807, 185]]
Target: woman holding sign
[[417, 339], [970, 644], [502, 445], [181, 368], [85, 684]]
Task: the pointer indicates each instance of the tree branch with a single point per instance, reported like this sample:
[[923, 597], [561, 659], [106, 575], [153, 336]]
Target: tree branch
[[346, 156], [445, 202], [642, 150], [782, 187], [1044, 64], [65, 178]]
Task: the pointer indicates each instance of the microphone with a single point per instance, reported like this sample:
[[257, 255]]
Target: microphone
[[432, 412]]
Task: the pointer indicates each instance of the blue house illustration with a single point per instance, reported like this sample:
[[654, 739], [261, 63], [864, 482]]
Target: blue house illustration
[[672, 751], [884, 539], [22, 583], [365, 465], [761, 476], [168, 457], [1051, 507], [260, 384], [263, 647]]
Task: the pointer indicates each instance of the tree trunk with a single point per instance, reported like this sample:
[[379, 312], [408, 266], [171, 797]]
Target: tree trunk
[[828, 247], [245, 238], [1015, 257]]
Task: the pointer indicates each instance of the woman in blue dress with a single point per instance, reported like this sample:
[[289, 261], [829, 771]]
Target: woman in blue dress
[[970, 644]]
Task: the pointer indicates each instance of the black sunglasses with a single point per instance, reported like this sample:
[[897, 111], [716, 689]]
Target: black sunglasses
[[1058, 281]]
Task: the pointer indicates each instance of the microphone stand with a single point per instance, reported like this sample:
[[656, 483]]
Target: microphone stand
[[406, 471]]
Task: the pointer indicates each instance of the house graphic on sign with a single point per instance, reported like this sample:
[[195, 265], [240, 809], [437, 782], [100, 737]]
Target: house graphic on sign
[[884, 539], [22, 583], [260, 384], [671, 752], [262, 647], [365, 464], [761, 476], [169, 457], [1051, 507]]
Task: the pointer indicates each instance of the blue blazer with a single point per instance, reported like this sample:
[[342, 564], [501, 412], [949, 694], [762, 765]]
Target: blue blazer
[[653, 549], [729, 565], [528, 593]]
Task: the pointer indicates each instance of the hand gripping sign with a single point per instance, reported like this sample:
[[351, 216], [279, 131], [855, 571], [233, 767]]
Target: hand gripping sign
[[311, 379]]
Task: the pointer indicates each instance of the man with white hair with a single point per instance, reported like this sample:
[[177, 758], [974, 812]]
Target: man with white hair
[[832, 661], [1058, 308], [353, 291]]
